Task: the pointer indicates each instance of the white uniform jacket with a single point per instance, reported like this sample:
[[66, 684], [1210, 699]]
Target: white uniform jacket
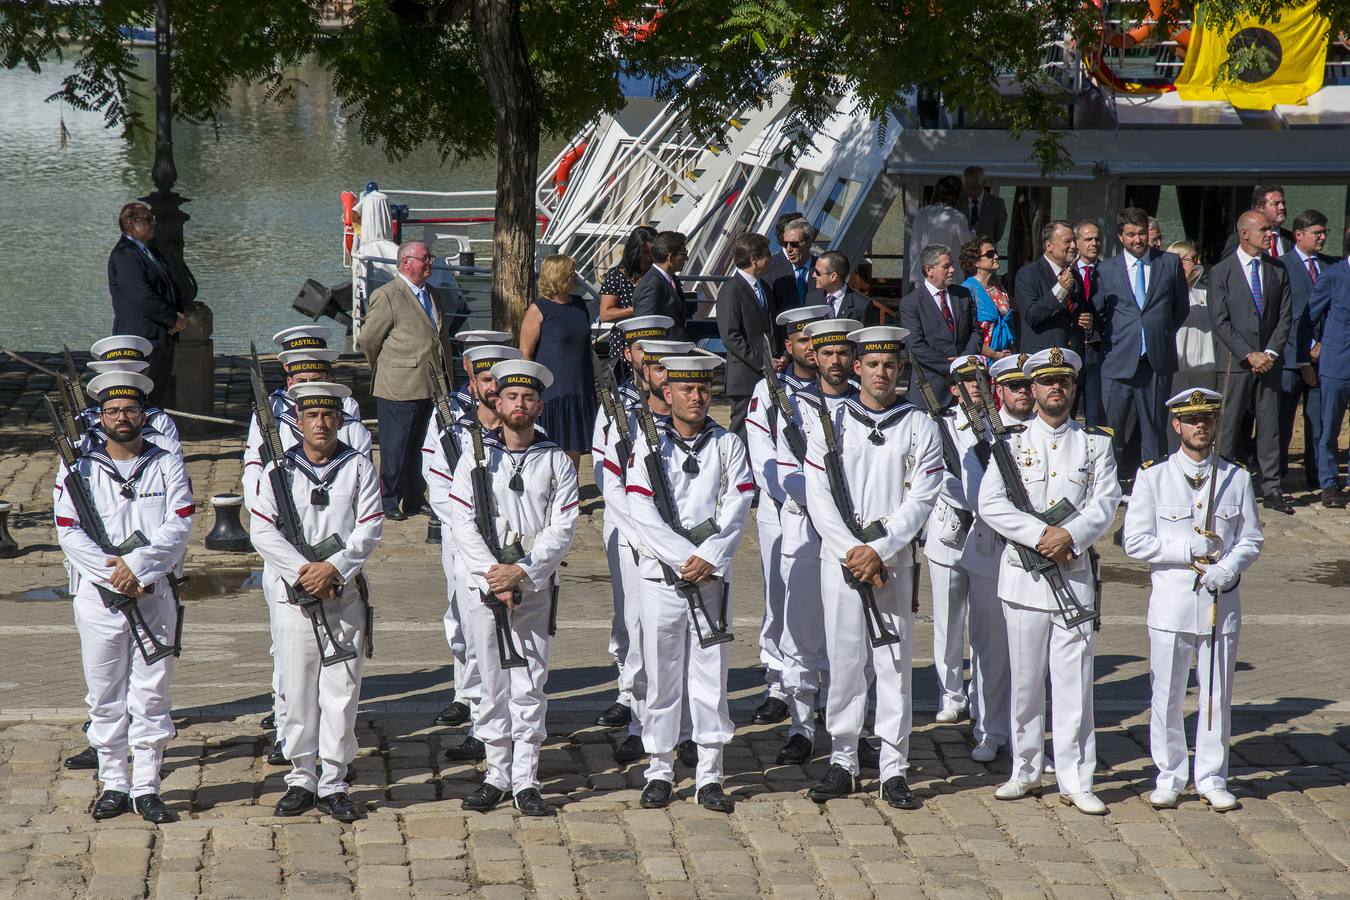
[[1068, 463], [800, 537], [543, 516], [771, 460], [982, 550], [353, 512], [437, 471], [159, 430], [160, 508], [1162, 518], [892, 464], [610, 464], [350, 432], [721, 489]]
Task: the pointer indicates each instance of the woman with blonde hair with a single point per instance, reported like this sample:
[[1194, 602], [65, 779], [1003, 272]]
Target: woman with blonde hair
[[1195, 337], [556, 332]]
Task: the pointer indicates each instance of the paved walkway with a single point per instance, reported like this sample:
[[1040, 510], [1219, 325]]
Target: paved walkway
[[1291, 749]]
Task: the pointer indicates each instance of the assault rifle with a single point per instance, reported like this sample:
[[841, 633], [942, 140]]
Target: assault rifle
[[73, 376], [442, 385], [950, 458], [792, 432], [607, 392], [152, 649], [289, 524], [73, 401]]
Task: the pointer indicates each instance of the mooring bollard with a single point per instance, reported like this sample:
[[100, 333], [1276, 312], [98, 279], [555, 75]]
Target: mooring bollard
[[227, 533], [9, 548]]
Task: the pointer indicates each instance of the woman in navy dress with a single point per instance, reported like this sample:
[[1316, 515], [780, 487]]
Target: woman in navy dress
[[556, 332]]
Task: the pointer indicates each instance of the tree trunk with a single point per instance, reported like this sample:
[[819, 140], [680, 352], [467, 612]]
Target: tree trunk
[[511, 90]]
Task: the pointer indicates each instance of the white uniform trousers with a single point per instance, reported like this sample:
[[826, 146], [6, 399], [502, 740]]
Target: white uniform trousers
[[990, 703], [512, 707], [1037, 643], [679, 670], [278, 710], [771, 626], [620, 635], [466, 666], [318, 734], [951, 594], [802, 643], [129, 705], [1170, 657], [632, 674], [850, 653]]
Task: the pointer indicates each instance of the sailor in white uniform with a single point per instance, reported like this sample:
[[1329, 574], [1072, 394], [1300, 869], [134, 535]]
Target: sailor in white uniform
[[334, 492], [623, 648], [689, 490], [531, 486], [1069, 473], [1195, 561], [468, 339], [438, 470], [873, 472], [142, 502], [791, 645], [128, 353]]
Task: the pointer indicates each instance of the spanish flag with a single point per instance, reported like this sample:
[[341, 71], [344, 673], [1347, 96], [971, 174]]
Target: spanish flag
[[1285, 60]]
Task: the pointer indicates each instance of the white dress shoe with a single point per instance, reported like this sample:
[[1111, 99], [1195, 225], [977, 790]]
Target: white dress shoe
[[985, 751], [1086, 803], [1220, 800], [951, 714], [1163, 798], [1016, 790]]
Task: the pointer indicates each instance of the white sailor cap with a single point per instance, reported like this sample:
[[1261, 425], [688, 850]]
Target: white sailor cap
[[303, 337], [1009, 368], [120, 384], [824, 332], [126, 348], [966, 365], [655, 351], [636, 328], [691, 368], [116, 365], [319, 395], [797, 319], [482, 357], [522, 373], [474, 337], [1195, 400], [1052, 361], [879, 339], [297, 361]]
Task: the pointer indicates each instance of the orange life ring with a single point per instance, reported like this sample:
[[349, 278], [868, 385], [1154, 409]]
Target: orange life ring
[[565, 165], [639, 30], [348, 201]]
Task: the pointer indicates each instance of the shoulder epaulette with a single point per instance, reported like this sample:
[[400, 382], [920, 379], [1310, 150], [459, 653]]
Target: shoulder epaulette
[[1151, 462], [1099, 429], [1015, 429], [1229, 459]]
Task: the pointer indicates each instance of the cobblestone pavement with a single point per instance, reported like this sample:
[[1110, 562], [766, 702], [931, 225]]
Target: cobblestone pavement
[[1291, 748]]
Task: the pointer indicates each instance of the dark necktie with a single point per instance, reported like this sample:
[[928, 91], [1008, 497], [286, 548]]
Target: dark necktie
[[1089, 274], [946, 311], [974, 212], [801, 282], [1254, 278], [1313, 274], [1274, 244]]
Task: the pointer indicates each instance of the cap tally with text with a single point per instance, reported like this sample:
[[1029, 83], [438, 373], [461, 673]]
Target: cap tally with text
[[825, 332], [1195, 400], [1052, 361], [965, 365], [698, 369], [296, 362], [522, 373], [796, 320], [879, 339], [484, 356], [1009, 368], [122, 348], [637, 328], [304, 337], [475, 337], [122, 384], [319, 395], [657, 351]]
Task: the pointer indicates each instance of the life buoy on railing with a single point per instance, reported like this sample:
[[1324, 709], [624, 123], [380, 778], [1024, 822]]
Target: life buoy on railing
[[348, 201], [639, 30], [1104, 36], [563, 174]]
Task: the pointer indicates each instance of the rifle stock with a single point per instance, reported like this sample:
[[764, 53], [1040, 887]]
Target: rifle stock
[[792, 432], [485, 521]]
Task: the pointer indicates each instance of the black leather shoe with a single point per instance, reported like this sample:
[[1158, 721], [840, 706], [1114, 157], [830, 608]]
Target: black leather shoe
[[770, 712], [796, 751], [455, 714], [268, 722], [656, 795], [394, 514], [85, 759], [897, 793], [1276, 501], [152, 809], [869, 757], [617, 716], [687, 751], [630, 751], [838, 782], [470, 749], [277, 757], [341, 806], [422, 509], [111, 804], [295, 801], [530, 803], [1332, 498], [711, 797], [485, 799]]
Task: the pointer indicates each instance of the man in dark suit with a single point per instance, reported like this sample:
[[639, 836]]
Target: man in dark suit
[[985, 210], [145, 300], [745, 317], [940, 318], [1269, 200], [1142, 300], [659, 292], [1049, 296], [789, 272], [1088, 238], [1298, 378], [1249, 306], [1329, 310], [830, 274]]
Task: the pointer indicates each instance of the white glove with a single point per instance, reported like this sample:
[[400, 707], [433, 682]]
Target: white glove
[[1217, 579], [1203, 546]]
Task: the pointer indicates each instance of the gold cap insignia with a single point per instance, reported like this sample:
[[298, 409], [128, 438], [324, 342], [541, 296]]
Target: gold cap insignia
[[1022, 359], [1197, 397], [1056, 357]]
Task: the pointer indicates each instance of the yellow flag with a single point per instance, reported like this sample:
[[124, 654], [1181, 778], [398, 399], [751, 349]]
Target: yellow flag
[[1287, 69]]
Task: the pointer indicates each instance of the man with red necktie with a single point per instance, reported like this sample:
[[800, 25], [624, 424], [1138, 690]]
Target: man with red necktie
[[1268, 199], [1089, 239], [940, 318]]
